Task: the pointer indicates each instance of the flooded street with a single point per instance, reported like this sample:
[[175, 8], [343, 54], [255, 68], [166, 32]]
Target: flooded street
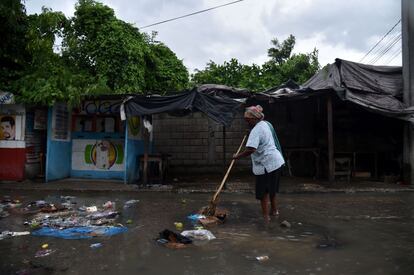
[[360, 233]]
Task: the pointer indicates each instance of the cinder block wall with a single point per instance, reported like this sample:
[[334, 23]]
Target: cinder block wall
[[195, 142]]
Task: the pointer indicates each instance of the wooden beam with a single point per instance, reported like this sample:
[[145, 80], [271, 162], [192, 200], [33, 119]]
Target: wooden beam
[[407, 27], [146, 149], [224, 152], [331, 171]]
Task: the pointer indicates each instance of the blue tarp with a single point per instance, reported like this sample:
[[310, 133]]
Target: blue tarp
[[81, 232]]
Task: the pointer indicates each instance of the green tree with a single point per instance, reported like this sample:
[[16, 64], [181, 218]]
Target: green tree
[[111, 49], [13, 54], [231, 73], [282, 66], [280, 52], [165, 72], [99, 54]]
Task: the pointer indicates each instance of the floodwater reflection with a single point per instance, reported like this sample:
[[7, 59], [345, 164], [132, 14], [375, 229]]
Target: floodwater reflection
[[328, 234]]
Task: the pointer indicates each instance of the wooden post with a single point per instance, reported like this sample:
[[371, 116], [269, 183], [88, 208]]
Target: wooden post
[[407, 23], [146, 149], [331, 172], [224, 152]]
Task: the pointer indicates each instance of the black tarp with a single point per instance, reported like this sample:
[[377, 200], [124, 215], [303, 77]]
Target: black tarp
[[375, 88], [221, 110]]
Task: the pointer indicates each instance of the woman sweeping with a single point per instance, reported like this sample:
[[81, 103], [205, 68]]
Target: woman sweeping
[[267, 160]]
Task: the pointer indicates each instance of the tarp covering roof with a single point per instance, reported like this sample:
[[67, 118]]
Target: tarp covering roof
[[220, 109], [376, 88]]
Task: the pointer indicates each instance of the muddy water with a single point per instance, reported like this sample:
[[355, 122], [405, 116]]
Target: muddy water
[[329, 234]]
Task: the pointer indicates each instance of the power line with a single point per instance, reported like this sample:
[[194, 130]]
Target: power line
[[394, 55], [380, 50], [380, 40], [385, 43], [397, 39], [190, 14]]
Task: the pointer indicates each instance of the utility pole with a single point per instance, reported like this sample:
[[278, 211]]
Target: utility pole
[[407, 23]]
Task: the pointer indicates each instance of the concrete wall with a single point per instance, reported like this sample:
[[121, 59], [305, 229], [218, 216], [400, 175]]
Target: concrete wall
[[195, 142]]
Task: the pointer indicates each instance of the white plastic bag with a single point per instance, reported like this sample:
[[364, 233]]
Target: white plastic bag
[[199, 234]]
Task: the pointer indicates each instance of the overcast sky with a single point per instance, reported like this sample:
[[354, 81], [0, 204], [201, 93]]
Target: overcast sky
[[346, 29]]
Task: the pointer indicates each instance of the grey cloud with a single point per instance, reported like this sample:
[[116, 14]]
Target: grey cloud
[[348, 22]]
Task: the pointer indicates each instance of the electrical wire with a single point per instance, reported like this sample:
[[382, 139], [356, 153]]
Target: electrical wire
[[385, 43], [190, 14], [399, 21], [395, 41], [394, 55]]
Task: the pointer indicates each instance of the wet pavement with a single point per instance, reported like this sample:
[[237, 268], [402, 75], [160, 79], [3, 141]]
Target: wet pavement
[[347, 233]]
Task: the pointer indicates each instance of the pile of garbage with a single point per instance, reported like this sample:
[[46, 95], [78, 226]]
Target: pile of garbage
[[185, 238], [6, 205], [65, 220], [82, 223]]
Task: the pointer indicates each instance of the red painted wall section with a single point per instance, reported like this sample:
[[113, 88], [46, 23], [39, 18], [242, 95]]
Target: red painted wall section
[[12, 161]]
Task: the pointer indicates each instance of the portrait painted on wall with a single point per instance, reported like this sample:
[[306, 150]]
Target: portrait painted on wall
[[7, 127]]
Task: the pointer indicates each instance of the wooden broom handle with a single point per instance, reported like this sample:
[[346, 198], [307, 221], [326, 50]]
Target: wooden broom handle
[[228, 172]]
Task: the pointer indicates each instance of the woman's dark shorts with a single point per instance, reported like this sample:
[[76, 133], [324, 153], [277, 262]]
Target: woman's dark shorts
[[267, 183]]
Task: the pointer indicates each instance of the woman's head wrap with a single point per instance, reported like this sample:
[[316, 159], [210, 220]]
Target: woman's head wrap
[[254, 112]]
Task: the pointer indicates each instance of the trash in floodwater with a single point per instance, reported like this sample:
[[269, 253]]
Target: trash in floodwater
[[95, 245], [179, 225], [44, 246], [173, 240], [262, 258], [43, 253], [91, 209], [85, 232], [130, 203], [101, 215], [109, 205], [209, 221], [196, 217], [285, 224], [200, 234], [7, 234], [129, 221]]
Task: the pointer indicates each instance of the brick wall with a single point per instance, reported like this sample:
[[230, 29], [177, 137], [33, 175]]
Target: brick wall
[[195, 142]]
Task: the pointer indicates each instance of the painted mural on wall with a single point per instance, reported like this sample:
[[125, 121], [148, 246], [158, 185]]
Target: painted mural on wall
[[10, 127], [103, 107], [98, 155]]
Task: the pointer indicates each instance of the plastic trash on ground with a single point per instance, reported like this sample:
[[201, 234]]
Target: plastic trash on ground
[[173, 240], [91, 209], [7, 234], [95, 245], [196, 217], [85, 232], [109, 205], [179, 225], [43, 253], [130, 203], [199, 234], [262, 258]]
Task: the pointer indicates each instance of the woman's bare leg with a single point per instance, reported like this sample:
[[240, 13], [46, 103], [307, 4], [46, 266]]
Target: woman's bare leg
[[273, 204], [265, 207]]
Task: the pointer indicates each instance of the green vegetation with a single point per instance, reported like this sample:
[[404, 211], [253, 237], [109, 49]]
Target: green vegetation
[[281, 66], [47, 58], [99, 54]]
